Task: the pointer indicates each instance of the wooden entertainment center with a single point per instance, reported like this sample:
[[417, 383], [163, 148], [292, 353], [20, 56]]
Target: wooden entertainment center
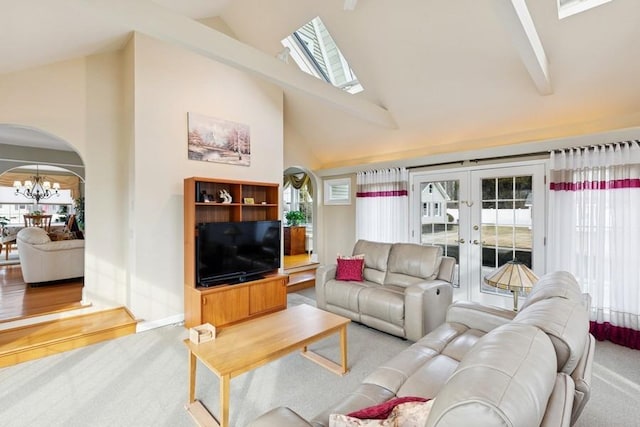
[[225, 304]]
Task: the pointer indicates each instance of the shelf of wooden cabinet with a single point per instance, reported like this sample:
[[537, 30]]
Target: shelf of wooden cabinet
[[226, 304]]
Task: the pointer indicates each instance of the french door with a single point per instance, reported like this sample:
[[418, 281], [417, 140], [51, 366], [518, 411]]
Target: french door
[[483, 217]]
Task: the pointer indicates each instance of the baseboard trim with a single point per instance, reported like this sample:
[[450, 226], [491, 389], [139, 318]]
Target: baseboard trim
[[171, 320]]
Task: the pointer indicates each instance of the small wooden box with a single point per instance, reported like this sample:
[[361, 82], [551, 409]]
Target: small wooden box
[[202, 333]]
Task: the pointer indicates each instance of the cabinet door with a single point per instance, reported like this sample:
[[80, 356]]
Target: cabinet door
[[225, 306], [268, 295], [298, 236]]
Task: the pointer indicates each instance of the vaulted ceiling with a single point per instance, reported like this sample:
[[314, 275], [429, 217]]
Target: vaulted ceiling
[[440, 76]]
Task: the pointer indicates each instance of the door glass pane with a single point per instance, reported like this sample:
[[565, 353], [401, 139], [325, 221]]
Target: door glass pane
[[506, 228], [439, 217]]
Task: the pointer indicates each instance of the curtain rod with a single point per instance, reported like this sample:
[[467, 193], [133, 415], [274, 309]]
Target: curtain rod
[[594, 146], [484, 159]]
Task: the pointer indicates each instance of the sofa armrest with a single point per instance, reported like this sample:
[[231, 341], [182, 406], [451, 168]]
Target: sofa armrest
[[447, 269], [425, 307], [581, 376], [560, 402], [479, 316], [324, 273], [279, 417]]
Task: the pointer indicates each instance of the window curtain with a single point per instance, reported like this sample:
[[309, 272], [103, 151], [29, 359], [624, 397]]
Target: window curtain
[[297, 181], [594, 233], [382, 205]]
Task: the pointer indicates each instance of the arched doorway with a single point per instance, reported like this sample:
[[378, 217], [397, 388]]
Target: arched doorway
[[28, 153], [299, 192], [299, 195]]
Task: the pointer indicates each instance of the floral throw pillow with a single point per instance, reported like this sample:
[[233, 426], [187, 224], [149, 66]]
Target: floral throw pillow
[[408, 414], [383, 410]]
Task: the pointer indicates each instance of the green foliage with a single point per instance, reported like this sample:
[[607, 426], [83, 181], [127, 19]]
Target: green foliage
[[63, 212], [79, 206], [295, 217]]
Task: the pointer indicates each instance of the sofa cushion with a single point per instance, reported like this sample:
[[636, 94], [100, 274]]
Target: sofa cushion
[[33, 235], [506, 379], [376, 256], [566, 322], [382, 302], [410, 263], [61, 245], [344, 294], [560, 284]]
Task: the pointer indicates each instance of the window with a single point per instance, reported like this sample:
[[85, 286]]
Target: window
[[567, 8], [337, 191], [316, 53], [299, 200]]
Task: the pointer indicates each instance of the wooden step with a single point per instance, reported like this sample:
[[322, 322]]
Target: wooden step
[[38, 340], [301, 277]]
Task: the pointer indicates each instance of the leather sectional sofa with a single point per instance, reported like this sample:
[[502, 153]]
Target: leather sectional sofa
[[487, 366], [405, 291]]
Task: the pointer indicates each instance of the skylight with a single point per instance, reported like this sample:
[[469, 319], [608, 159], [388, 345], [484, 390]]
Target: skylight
[[316, 53], [567, 8]]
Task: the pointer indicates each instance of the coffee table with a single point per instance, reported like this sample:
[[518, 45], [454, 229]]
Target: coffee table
[[242, 347]]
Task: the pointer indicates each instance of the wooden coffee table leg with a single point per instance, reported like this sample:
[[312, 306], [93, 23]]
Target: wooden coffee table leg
[[339, 369], [343, 347], [192, 377], [224, 400]]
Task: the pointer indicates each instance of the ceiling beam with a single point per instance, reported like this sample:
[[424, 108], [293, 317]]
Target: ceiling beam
[[149, 18], [516, 18]]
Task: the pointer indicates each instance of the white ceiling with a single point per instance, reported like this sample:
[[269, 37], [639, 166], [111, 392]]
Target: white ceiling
[[449, 74]]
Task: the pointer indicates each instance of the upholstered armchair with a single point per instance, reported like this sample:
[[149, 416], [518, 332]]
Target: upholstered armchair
[[43, 260]]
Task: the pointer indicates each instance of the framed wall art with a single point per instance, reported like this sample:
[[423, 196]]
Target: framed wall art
[[216, 140]]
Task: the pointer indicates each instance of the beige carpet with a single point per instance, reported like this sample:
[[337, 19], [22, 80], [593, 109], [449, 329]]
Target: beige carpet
[[141, 380]]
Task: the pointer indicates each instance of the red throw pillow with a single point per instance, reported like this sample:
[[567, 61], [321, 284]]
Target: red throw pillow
[[349, 269], [383, 410]]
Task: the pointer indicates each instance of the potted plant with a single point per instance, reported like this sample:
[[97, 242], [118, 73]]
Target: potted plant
[[295, 218]]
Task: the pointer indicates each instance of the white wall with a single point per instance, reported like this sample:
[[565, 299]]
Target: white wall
[[126, 115], [338, 227], [169, 82], [78, 102]]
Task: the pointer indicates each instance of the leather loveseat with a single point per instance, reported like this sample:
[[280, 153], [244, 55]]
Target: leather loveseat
[[487, 366], [43, 260], [405, 291]]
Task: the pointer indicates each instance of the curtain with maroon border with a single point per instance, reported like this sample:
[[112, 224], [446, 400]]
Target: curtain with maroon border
[[594, 233], [382, 205]]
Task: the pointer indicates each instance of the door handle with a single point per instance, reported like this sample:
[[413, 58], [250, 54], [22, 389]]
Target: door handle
[[475, 242], [461, 241]]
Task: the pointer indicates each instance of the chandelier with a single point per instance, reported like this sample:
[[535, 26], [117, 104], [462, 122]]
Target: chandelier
[[36, 188]]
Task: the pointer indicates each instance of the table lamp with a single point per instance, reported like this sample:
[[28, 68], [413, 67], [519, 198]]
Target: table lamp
[[512, 276]]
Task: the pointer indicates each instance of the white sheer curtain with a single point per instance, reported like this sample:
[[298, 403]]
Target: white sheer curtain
[[594, 233], [382, 205]]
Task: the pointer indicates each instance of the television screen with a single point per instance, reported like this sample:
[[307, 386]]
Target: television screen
[[232, 252]]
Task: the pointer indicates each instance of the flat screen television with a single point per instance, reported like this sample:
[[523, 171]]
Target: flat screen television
[[234, 252]]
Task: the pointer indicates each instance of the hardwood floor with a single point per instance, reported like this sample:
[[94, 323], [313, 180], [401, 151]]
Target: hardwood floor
[[301, 270], [295, 261], [19, 300]]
